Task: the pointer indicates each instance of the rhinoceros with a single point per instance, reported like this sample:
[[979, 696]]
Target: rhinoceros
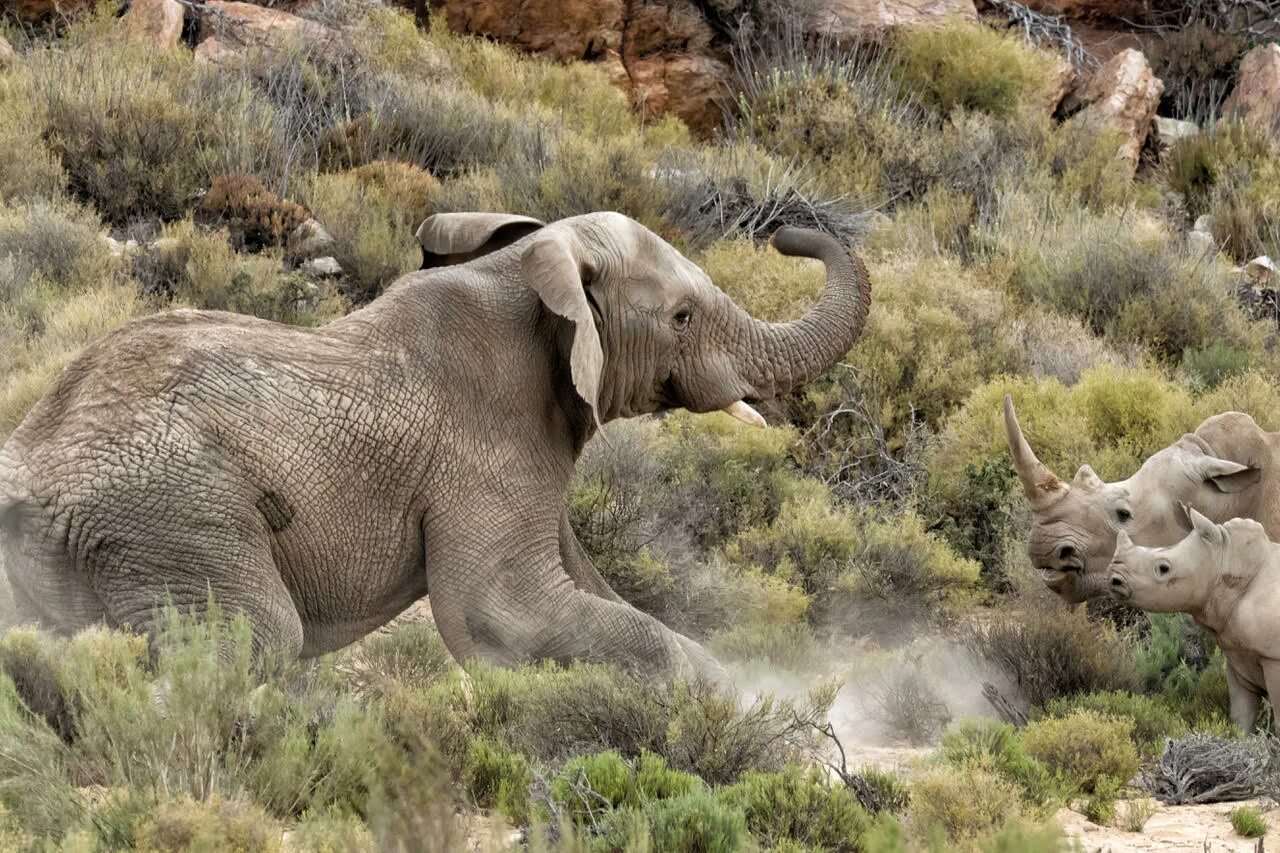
[[1228, 468], [1227, 576]]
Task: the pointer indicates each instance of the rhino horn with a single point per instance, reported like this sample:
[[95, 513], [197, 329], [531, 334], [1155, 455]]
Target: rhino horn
[[1042, 486]]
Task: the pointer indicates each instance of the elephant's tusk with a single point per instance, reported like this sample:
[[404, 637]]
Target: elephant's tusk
[[745, 413]]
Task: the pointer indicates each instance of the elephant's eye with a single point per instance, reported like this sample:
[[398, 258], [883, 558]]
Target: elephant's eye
[[1123, 515], [1163, 569], [681, 319]]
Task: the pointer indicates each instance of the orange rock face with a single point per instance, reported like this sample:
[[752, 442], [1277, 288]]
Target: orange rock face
[[230, 25], [157, 21], [45, 11], [1256, 97], [852, 17]]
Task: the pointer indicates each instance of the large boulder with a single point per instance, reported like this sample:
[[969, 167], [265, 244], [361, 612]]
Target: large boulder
[[228, 26], [45, 11], [158, 22], [858, 17], [1122, 96], [1256, 98], [7, 54]]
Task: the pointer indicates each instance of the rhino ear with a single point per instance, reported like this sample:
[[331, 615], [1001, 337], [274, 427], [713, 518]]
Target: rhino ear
[[1204, 528], [455, 238], [558, 270], [1087, 480], [1227, 476]]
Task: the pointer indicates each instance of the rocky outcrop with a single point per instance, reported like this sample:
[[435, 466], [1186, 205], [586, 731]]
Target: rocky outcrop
[[1256, 98], [158, 22], [667, 54], [227, 26], [1122, 96], [46, 11], [858, 17]]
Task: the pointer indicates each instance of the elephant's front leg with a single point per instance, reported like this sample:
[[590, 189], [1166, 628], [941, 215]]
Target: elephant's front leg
[[501, 592], [578, 565], [1244, 699]]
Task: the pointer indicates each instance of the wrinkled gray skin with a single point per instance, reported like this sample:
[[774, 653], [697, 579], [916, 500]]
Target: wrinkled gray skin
[[1227, 577], [321, 480], [1228, 468]]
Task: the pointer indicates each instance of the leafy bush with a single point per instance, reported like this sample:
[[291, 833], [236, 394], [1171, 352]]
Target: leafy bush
[[967, 801], [408, 655], [499, 778], [970, 66], [697, 821], [185, 824], [1050, 652], [1181, 663], [1153, 719], [997, 747], [1246, 821], [326, 832], [1134, 814], [1215, 363], [798, 806], [1100, 807], [1083, 747], [787, 646]]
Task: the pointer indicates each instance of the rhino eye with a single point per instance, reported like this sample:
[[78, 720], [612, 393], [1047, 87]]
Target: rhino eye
[[1163, 569], [1123, 515]]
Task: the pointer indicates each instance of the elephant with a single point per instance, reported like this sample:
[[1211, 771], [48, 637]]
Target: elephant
[[320, 480], [1228, 468]]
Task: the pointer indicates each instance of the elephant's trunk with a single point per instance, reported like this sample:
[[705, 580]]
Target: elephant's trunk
[[791, 354]]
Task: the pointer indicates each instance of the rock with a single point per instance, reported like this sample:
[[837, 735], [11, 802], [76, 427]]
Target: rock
[[118, 249], [7, 54], [1122, 95], [226, 26], [46, 11], [1201, 243], [1170, 130], [860, 17], [309, 240], [1063, 81], [1256, 98], [665, 53], [1259, 271], [159, 22], [1205, 222], [322, 267]]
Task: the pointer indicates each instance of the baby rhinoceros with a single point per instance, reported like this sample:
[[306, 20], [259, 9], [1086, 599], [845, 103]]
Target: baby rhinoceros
[[1227, 577]]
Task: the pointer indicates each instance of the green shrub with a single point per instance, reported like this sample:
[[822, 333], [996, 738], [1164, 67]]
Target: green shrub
[[1215, 363], [798, 806], [1083, 747], [499, 778], [329, 832], [55, 243], [1182, 664], [1100, 807], [1246, 821], [791, 647], [967, 801], [698, 821], [1153, 719], [997, 747], [1049, 651], [216, 825], [970, 66], [410, 655]]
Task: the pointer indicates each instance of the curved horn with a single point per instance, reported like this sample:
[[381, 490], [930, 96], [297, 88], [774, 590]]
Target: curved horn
[[1041, 485]]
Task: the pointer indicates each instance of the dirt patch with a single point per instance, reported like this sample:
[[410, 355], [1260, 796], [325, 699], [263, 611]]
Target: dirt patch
[[1203, 829]]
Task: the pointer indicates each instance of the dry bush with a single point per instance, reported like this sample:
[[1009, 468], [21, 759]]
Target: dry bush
[[1204, 768], [909, 708], [255, 217], [1047, 652]]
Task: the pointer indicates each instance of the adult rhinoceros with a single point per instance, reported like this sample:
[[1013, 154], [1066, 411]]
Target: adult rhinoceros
[[1228, 468]]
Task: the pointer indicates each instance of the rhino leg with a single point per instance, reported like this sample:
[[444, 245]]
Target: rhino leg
[[1245, 701]]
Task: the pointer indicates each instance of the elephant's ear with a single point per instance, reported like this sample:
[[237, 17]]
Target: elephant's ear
[[455, 238], [557, 270]]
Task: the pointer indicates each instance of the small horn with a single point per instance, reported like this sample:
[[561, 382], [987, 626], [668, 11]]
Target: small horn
[[1041, 485]]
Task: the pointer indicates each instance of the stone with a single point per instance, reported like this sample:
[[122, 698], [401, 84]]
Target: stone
[[861, 17], [46, 11], [326, 267], [1061, 82], [159, 22], [1256, 98], [226, 26], [1205, 222], [309, 240], [7, 54], [1201, 243], [1170, 130], [1123, 96]]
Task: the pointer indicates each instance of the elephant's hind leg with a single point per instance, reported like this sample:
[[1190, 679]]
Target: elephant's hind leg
[[201, 551]]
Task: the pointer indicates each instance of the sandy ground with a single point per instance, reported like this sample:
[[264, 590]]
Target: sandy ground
[[1204, 829]]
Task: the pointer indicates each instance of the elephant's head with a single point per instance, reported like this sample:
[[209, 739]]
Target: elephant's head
[[1074, 525], [647, 330]]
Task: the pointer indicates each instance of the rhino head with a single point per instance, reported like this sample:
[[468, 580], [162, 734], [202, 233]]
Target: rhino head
[[1074, 525], [1196, 575]]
